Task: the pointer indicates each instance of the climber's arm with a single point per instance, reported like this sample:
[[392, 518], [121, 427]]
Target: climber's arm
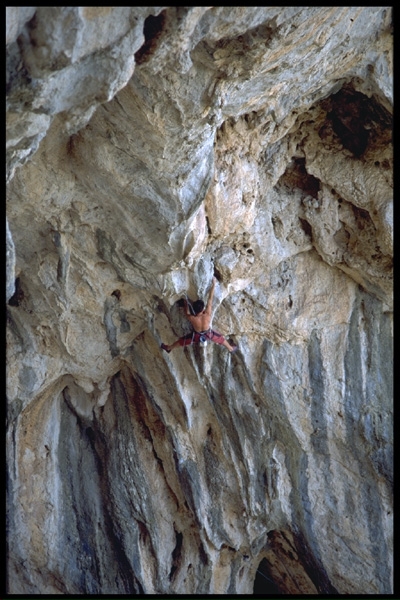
[[210, 298], [187, 309]]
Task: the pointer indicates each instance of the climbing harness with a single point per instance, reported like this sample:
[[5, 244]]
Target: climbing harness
[[203, 341]]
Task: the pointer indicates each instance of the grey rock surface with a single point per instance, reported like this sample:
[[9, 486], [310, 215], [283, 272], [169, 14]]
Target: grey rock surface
[[148, 150]]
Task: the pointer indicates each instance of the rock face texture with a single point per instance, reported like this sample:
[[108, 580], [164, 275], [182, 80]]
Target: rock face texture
[[148, 149]]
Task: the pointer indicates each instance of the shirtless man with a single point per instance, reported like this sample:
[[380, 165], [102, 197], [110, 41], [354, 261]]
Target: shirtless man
[[200, 321]]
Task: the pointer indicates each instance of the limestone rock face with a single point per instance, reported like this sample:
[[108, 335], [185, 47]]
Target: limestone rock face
[[148, 149]]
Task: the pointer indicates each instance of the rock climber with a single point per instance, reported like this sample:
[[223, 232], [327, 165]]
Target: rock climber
[[201, 322]]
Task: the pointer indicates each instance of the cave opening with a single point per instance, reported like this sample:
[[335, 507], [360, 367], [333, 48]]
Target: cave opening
[[297, 177], [176, 554], [306, 227], [263, 583], [153, 27], [18, 295], [353, 115]]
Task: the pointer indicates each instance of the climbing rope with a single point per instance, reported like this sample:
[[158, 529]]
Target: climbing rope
[[188, 301], [192, 311], [246, 557]]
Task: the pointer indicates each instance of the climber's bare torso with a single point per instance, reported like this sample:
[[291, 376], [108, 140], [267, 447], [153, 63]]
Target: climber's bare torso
[[200, 322]]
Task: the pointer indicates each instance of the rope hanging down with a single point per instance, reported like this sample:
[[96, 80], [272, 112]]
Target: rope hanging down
[[246, 557]]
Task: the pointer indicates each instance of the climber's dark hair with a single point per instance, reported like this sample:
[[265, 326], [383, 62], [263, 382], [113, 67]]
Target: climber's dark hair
[[198, 306]]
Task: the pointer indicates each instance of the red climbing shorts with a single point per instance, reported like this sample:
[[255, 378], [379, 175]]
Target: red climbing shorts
[[195, 338]]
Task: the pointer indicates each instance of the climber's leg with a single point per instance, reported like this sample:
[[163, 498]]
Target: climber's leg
[[229, 346], [186, 340], [218, 338], [172, 346]]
